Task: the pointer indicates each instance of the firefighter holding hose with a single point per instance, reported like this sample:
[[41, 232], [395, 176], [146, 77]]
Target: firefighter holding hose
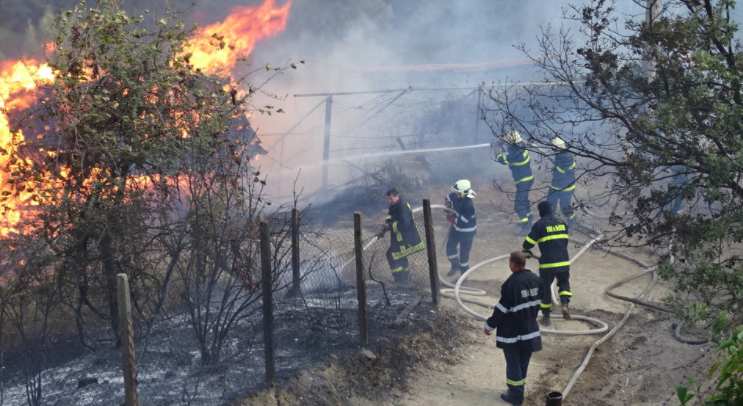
[[554, 262], [404, 237], [460, 212], [514, 154]]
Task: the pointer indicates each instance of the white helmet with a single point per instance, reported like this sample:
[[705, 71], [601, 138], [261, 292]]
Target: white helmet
[[513, 137], [558, 143], [463, 186]]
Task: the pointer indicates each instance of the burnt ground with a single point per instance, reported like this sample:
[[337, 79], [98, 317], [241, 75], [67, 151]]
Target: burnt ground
[[443, 358], [444, 352], [416, 356]]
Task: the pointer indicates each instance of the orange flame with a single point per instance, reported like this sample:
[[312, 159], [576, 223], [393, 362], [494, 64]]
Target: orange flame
[[239, 32]]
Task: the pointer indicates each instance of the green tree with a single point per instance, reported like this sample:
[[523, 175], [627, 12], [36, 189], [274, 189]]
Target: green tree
[[637, 100], [103, 150]]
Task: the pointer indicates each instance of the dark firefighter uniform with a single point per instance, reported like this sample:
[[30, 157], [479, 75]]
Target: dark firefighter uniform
[[563, 185], [552, 236], [404, 239], [515, 318], [462, 231], [518, 161]]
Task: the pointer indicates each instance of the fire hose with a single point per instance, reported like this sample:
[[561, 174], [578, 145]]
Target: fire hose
[[455, 291]]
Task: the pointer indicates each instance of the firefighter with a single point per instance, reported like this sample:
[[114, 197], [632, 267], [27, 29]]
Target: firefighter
[[404, 237], [514, 154], [563, 181], [460, 210], [515, 318], [551, 234]]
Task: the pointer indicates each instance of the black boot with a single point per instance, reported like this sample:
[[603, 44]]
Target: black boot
[[454, 269], [401, 277], [545, 320], [565, 310], [464, 269]]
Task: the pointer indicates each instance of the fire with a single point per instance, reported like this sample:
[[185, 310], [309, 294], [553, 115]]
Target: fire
[[239, 32], [215, 49], [17, 80]]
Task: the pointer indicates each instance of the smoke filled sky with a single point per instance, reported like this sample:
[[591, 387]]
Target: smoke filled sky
[[350, 46]]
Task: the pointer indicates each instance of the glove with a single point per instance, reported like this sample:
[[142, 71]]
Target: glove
[[528, 254], [447, 203], [379, 236], [451, 218]]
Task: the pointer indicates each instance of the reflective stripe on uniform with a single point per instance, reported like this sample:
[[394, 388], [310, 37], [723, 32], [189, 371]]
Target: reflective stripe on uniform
[[407, 251], [530, 177], [516, 383], [545, 306], [523, 306], [567, 189], [525, 155], [465, 230], [511, 340], [565, 293], [532, 242], [553, 237], [554, 265]]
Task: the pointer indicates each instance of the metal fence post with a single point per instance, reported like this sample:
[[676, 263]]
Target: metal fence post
[[360, 279], [127, 341], [268, 319], [295, 252], [431, 249]]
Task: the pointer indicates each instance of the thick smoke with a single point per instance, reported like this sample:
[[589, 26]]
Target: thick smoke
[[377, 45]]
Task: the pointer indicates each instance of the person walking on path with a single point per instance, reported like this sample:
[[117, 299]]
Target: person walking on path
[[404, 237], [515, 321], [515, 155], [460, 209], [551, 234]]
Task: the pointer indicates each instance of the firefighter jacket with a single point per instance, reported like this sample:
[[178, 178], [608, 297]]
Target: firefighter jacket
[[563, 174], [515, 315], [464, 210], [552, 236], [518, 161], [404, 237]]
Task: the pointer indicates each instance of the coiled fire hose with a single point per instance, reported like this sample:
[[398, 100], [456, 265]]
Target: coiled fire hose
[[455, 291], [458, 289]]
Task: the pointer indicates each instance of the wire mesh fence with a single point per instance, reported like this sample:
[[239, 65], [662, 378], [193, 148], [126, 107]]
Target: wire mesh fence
[[211, 353]]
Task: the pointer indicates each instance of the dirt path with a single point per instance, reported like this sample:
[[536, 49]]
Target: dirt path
[[639, 365], [447, 360]]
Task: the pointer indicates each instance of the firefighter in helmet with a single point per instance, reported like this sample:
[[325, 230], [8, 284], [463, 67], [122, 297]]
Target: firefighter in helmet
[[514, 154], [404, 238], [562, 187], [460, 212], [551, 234]]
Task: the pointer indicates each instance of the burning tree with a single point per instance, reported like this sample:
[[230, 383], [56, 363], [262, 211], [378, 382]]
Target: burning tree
[[108, 155], [654, 109]]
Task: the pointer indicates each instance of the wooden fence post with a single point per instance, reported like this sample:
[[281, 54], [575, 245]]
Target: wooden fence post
[[431, 248], [127, 341], [295, 253], [360, 279], [267, 286]]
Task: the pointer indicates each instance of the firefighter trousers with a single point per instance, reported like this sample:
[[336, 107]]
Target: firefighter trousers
[[564, 199], [464, 240], [563, 287], [521, 201], [517, 364]]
